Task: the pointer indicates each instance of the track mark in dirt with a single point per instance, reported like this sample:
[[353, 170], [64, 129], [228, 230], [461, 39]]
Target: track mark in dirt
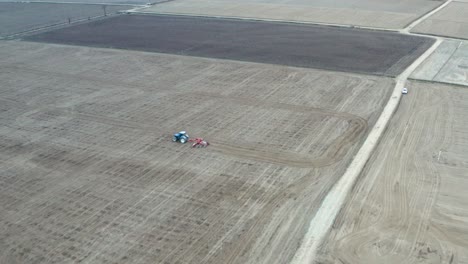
[[409, 205], [86, 151], [356, 126], [335, 151]]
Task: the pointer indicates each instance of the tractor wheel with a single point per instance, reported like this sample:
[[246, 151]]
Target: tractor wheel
[[174, 139], [183, 140]]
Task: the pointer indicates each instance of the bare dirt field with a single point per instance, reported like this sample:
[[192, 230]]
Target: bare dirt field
[[411, 204], [89, 173], [448, 64], [20, 17], [452, 21], [373, 13], [329, 48]]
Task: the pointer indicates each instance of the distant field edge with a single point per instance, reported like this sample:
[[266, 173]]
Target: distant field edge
[[259, 19], [52, 27], [459, 85], [17, 18]]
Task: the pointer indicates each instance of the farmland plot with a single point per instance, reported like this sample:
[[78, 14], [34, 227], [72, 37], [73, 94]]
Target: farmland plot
[[410, 204], [371, 13], [89, 173], [451, 21]]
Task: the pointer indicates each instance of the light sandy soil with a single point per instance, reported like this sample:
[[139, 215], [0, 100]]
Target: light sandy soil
[[380, 13], [448, 64], [452, 21], [90, 175], [411, 204]]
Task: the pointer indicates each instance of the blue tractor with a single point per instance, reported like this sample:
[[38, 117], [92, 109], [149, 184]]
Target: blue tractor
[[182, 137]]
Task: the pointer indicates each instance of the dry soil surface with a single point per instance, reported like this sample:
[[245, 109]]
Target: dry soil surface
[[20, 17], [411, 203], [352, 50], [452, 21], [372, 13], [448, 64], [89, 173]]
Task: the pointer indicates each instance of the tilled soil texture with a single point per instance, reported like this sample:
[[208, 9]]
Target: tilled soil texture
[[20, 17], [349, 50], [89, 173], [410, 204]]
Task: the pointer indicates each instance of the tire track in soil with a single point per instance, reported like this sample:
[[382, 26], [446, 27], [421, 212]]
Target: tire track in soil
[[335, 152], [268, 221], [402, 228], [357, 126]]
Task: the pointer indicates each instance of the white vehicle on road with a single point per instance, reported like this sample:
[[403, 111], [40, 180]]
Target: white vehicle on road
[[404, 91]]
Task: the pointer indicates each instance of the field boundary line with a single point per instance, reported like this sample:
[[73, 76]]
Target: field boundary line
[[57, 26], [413, 24], [447, 61], [136, 11], [331, 205], [459, 85], [140, 11]]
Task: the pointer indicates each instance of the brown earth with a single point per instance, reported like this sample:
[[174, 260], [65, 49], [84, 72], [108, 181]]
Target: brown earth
[[410, 204], [89, 173]]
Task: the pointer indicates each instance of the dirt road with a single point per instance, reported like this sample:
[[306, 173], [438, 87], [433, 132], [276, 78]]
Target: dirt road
[[410, 203]]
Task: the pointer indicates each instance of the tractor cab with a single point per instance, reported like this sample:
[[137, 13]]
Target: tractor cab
[[182, 137]]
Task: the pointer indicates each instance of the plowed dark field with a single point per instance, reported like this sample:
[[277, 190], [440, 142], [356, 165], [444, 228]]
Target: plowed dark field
[[308, 46]]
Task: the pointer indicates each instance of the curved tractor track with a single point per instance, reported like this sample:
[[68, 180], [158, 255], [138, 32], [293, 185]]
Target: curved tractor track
[[86, 141], [334, 152]]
